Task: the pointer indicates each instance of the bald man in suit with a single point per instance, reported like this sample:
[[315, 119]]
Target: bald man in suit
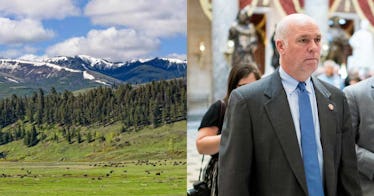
[[261, 149], [360, 98]]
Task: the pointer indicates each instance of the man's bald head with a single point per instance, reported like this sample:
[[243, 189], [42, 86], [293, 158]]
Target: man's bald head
[[284, 25]]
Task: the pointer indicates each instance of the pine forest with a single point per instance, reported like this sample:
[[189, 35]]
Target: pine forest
[[152, 104]]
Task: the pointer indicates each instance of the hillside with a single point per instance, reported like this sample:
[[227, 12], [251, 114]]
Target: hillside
[[98, 123], [165, 142]]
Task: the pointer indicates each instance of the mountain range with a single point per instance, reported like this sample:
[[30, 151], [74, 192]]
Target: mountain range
[[27, 74]]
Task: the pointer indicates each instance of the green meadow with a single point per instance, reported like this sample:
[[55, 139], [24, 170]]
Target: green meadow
[[150, 161], [119, 178]]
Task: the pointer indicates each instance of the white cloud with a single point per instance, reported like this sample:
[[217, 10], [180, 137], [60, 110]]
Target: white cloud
[[17, 51], [14, 32], [32, 57], [111, 44], [38, 10], [157, 18], [69, 47]]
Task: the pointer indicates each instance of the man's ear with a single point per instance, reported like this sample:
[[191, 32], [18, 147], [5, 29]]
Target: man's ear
[[281, 45]]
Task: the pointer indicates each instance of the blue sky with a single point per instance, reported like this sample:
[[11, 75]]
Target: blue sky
[[117, 30]]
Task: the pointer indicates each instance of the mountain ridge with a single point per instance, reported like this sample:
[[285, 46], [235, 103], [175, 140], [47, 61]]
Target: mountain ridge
[[27, 74]]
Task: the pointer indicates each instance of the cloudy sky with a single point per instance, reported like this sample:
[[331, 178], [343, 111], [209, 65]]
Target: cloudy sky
[[117, 30]]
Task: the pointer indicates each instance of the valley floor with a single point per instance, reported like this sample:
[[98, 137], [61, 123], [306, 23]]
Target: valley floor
[[138, 177]]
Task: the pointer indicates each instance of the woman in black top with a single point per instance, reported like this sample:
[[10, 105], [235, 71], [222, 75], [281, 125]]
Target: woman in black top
[[209, 136]]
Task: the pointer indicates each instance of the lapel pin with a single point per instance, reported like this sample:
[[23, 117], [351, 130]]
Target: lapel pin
[[331, 107]]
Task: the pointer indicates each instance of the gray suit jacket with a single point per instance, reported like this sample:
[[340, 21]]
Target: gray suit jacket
[[259, 151], [361, 102]]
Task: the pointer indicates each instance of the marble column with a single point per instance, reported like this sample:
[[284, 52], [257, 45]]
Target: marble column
[[319, 10], [224, 14]]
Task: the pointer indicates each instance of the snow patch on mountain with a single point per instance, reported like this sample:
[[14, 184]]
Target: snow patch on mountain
[[92, 62], [11, 80], [32, 58], [171, 60], [61, 68], [96, 62], [143, 60], [5, 64], [11, 64], [88, 76], [101, 82]]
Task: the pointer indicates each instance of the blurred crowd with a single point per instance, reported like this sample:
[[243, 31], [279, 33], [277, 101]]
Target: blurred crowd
[[349, 59]]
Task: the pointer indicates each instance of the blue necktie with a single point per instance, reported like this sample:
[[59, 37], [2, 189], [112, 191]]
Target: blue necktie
[[308, 144]]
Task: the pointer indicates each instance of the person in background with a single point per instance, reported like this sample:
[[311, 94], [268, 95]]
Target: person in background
[[330, 74], [209, 135], [289, 133], [352, 78], [360, 98]]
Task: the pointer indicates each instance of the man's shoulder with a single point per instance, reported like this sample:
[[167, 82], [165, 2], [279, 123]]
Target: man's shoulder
[[257, 85], [254, 89], [360, 85], [361, 89]]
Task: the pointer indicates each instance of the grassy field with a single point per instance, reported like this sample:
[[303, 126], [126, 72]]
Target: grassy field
[[160, 177], [168, 141], [145, 162]]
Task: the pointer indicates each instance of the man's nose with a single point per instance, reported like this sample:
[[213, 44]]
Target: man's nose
[[314, 46]]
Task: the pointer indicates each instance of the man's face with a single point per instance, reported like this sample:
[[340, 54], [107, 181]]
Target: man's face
[[301, 50], [329, 70]]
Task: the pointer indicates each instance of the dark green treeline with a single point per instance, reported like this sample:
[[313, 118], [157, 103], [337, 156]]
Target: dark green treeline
[[153, 104]]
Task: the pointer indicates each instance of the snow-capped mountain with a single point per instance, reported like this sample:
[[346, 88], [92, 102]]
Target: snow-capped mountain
[[29, 73]]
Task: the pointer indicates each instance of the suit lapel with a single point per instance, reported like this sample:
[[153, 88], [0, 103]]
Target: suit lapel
[[279, 113], [327, 121]]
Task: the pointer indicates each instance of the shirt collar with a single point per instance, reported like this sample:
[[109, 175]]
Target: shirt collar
[[290, 84]]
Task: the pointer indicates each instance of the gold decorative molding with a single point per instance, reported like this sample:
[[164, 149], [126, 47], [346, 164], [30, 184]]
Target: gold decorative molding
[[206, 5], [361, 13], [334, 6]]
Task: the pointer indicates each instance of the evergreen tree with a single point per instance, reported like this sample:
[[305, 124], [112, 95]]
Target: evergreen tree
[[55, 138], [68, 137], [40, 107], [31, 137], [152, 104], [123, 129], [79, 137], [4, 137], [89, 137]]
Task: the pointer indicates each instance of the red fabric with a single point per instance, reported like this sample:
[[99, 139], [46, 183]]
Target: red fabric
[[331, 2], [364, 6], [289, 7], [243, 3]]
